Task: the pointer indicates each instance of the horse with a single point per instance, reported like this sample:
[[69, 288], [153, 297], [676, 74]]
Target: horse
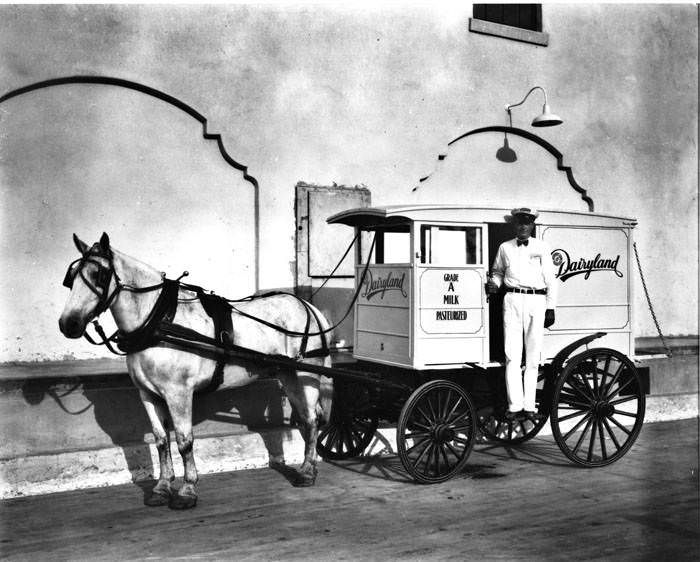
[[167, 375]]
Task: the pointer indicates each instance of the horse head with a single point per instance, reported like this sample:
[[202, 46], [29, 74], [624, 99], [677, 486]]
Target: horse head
[[90, 279]]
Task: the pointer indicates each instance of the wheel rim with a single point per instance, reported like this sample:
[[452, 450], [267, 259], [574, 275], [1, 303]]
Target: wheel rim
[[597, 407], [436, 430]]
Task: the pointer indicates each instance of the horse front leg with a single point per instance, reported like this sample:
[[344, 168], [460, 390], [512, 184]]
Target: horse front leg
[[302, 389], [158, 416], [180, 407]]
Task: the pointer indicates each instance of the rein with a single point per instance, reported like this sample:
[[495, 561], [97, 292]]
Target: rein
[[159, 322]]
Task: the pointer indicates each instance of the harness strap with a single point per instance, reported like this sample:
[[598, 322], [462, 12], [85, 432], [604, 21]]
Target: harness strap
[[219, 310], [163, 311]]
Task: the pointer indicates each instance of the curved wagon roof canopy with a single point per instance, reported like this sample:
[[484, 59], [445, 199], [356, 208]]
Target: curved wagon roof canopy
[[394, 215]]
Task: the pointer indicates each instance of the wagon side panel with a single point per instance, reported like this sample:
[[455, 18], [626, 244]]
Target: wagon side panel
[[594, 286]]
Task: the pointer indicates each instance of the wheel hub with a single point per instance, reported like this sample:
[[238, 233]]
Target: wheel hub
[[442, 433], [603, 409]]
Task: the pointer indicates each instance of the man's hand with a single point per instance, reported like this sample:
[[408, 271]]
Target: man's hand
[[490, 287], [548, 317]]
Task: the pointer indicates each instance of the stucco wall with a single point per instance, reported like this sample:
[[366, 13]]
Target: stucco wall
[[353, 96]]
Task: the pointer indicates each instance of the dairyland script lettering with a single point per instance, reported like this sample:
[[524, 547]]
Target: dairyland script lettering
[[566, 267], [381, 285]]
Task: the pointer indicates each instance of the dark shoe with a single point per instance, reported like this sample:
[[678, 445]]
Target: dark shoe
[[534, 417], [510, 416]]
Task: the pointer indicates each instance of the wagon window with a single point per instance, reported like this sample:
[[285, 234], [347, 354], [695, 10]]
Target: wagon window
[[450, 245], [392, 245]]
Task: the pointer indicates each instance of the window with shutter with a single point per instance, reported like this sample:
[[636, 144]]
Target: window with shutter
[[520, 22]]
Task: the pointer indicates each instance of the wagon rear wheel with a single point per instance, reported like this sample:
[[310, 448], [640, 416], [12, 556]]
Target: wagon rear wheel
[[436, 431], [352, 426], [597, 407]]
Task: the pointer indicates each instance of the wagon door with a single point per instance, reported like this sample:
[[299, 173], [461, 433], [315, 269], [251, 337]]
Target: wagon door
[[450, 321]]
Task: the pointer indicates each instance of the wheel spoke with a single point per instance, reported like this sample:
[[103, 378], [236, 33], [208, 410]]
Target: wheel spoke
[[587, 385], [432, 410], [606, 370], [443, 451], [603, 450], [620, 388], [576, 413], [580, 405], [623, 413], [612, 383], [595, 378], [611, 433], [425, 417], [583, 435], [453, 450], [417, 435], [454, 408], [573, 430], [573, 391], [623, 400], [417, 444], [618, 424], [428, 447], [591, 445]]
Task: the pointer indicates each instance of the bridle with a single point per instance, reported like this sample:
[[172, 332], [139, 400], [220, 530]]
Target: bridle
[[103, 279]]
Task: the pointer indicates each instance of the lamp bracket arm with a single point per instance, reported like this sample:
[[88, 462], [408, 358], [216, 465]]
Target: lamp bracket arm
[[510, 106]]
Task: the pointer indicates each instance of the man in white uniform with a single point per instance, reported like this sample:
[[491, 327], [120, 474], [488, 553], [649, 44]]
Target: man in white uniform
[[524, 268]]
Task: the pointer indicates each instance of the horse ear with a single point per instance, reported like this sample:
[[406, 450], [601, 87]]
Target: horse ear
[[104, 242], [82, 246]]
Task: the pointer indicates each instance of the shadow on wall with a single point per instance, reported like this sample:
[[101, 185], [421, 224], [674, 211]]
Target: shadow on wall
[[98, 412]]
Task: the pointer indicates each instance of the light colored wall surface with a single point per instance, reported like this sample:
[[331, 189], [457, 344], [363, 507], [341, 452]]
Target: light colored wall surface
[[348, 95]]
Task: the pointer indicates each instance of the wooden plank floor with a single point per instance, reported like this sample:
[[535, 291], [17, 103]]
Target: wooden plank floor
[[510, 504]]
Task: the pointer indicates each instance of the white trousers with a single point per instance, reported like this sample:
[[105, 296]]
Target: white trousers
[[523, 320]]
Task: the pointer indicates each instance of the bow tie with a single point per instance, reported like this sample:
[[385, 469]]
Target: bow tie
[[522, 242]]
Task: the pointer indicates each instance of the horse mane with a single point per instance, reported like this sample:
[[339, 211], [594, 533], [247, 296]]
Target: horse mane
[[135, 271]]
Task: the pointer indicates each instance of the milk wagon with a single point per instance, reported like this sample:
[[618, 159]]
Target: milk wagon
[[428, 340], [428, 343]]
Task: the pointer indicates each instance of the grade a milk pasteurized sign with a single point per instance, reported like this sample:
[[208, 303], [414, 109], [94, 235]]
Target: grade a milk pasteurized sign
[[591, 270], [451, 301]]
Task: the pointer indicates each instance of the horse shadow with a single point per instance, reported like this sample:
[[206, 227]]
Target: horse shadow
[[260, 407]]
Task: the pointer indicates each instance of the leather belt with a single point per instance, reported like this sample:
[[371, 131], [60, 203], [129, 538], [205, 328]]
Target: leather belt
[[526, 291]]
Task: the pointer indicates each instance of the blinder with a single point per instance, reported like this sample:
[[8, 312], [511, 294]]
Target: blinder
[[102, 280]]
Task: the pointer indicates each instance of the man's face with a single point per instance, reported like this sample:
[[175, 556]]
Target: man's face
[[524, 226]]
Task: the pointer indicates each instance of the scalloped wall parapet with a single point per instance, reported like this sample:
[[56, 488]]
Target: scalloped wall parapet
[[489, 180]]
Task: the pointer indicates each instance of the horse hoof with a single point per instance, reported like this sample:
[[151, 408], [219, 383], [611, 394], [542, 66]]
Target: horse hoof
[[183, 502], [304, 480], [157, 499]]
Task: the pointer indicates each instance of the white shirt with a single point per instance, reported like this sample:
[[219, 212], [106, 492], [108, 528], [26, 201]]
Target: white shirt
[[526, 267]]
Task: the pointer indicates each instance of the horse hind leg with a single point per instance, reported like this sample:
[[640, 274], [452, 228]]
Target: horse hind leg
[[302, 389], [180, 407], [158, 416]]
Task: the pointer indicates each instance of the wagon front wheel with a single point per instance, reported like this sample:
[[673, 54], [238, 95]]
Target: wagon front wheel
[[436, 431], [352, 426], [598, 407]]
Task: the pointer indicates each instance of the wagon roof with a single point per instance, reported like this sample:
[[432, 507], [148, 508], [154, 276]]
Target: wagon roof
[[397, 214]]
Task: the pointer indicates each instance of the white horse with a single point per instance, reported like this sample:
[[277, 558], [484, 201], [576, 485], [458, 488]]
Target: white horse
[[167, 376]]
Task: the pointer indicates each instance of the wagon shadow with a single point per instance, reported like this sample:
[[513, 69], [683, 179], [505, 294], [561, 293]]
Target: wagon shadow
[[383, 462], [536, 451]]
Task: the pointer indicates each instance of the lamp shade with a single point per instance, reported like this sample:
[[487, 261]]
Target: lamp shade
[[547, 119]]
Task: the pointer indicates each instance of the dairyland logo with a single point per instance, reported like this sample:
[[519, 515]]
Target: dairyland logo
[[381, 285], [568, 268]]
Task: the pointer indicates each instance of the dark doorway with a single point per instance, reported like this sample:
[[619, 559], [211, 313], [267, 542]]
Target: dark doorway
[[498, 233]]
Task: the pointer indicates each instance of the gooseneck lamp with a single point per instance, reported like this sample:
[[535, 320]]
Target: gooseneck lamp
[[547, 118]]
